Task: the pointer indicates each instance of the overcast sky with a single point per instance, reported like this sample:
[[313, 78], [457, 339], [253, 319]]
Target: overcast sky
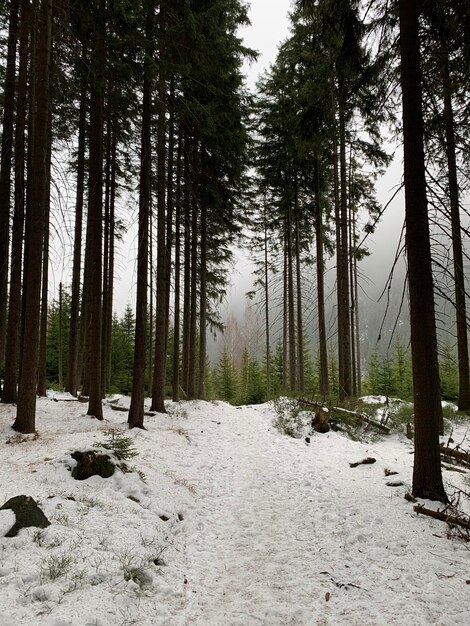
[[269, 27]]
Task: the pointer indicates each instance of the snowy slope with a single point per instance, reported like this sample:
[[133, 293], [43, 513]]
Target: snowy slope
[[236, 524]]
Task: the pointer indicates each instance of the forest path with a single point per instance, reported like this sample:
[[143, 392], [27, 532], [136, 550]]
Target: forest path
[[277, 526], [246, 537]]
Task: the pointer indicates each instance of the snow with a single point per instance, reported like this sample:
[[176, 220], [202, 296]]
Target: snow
[[7, 521], [235, 524]]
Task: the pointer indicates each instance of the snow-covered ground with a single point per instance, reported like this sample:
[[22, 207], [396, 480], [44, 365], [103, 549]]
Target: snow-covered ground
[[236, 524]]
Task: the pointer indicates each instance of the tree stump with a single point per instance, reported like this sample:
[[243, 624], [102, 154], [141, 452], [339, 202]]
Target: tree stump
[[321, 420]]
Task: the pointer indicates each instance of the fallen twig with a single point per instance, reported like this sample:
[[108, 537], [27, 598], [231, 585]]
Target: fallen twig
[[442, 516]]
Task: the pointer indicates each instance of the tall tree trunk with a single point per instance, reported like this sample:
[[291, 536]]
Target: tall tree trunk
[[159, 371], [285, 318], [95, 218], [151, 321], [74, 341], [266, 302], [136, 411], [41, 378], [108, 311], [5, 170], [459, 277], [427, 477], [290, 306], [60, 342], [108, 256], [10, 393], [193, 278], [170, 202], [339, 256], [187, 266], [344, 328], [353, 304], [355, 286], [322, 342], [83, 350], [25, 421], [176, 322], [300, 325], [105, 374], [203, 282]]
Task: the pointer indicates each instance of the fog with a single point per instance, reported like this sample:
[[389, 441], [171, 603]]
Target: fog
[[270, 26]]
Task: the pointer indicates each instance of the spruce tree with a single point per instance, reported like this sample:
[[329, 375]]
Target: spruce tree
[[427, 477], [25, 421]]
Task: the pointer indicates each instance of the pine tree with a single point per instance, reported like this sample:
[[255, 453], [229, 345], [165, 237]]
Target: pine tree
[[94, 275], [448, 369], [225, 378], [136, 411], [9, 393], [402, 371], [5, 169], [25, 421], [427, 476]]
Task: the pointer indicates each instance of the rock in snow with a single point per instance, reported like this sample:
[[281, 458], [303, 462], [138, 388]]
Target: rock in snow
[[27, 514]]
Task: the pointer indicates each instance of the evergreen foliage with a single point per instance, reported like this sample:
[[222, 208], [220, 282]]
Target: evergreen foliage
[[58, 334], [226, 381], [122, 353], [120, 444]]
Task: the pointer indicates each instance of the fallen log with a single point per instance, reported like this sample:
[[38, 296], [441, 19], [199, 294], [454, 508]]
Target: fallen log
[[442, 516], [362, 416], [367, 461], [124, 410], [462, 457]]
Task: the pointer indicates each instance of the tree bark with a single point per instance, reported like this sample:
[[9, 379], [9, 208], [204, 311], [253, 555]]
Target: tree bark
[[266, 302], [25, 421], [170, 204], [159, 371], [285, 309], [193, 277], [187, 266], [41, 379], [177, 322], [136, 411], [323, 350], [74, 341], [5, 170], [290, 305], [108, 311], [344, 327], [10, 392], [95, 219], [300, 327], [203, 283], [427, 476], [353, 303], [105, 370], [459, 277]]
